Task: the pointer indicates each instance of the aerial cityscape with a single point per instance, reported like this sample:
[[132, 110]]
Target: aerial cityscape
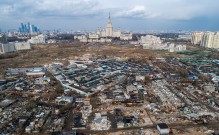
[[92, 67]]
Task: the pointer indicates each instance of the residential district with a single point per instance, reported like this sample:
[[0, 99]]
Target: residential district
[[111, 95]]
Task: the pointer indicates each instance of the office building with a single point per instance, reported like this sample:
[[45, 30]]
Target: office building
[[151, 42], [39, 39], [155, 43], [176, 48], [28, 29]]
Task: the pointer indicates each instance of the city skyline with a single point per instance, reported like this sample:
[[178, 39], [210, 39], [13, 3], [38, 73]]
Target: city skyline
[[87, 15], [28, 28]]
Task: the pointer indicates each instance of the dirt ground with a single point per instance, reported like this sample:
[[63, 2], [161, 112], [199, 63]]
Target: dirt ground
[[46, 54]]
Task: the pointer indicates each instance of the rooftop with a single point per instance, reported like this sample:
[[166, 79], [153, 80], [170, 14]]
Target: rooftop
[[162, 125]]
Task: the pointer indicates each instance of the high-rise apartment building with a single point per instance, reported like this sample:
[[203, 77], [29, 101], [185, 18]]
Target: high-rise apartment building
[[206, 39], [210, 40], [197, 37]]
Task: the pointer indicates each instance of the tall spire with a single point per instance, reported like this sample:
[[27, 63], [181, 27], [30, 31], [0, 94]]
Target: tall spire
[[109, 27]]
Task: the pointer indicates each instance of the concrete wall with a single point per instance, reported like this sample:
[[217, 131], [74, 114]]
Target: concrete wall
[[7, 48], [22, 46], [1, 48], [12, 47]]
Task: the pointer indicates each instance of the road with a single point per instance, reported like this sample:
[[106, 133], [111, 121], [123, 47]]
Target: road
[[211, 124]]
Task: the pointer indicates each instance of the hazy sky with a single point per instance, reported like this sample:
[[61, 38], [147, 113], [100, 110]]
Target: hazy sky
[[133, 15]]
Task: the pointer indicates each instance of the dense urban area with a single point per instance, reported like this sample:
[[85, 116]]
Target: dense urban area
[[108, 82]]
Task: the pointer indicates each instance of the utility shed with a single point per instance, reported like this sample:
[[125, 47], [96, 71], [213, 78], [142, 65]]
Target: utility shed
[[163, 129]]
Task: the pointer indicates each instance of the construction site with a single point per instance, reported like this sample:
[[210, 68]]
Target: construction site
[[108, 89]]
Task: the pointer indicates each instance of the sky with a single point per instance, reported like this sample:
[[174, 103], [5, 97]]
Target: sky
[[129, 15]]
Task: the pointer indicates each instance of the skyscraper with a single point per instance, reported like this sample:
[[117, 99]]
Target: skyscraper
[[28, 29], [109, 28]]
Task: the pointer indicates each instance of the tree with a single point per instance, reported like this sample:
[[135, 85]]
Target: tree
[[182, 72], [30, 105], [59, 89], [195, 83], [45, 96], [52, 96], [151, 57], [65, 108], [204, 78], [71, 93], [147, 80], [95, 102]]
